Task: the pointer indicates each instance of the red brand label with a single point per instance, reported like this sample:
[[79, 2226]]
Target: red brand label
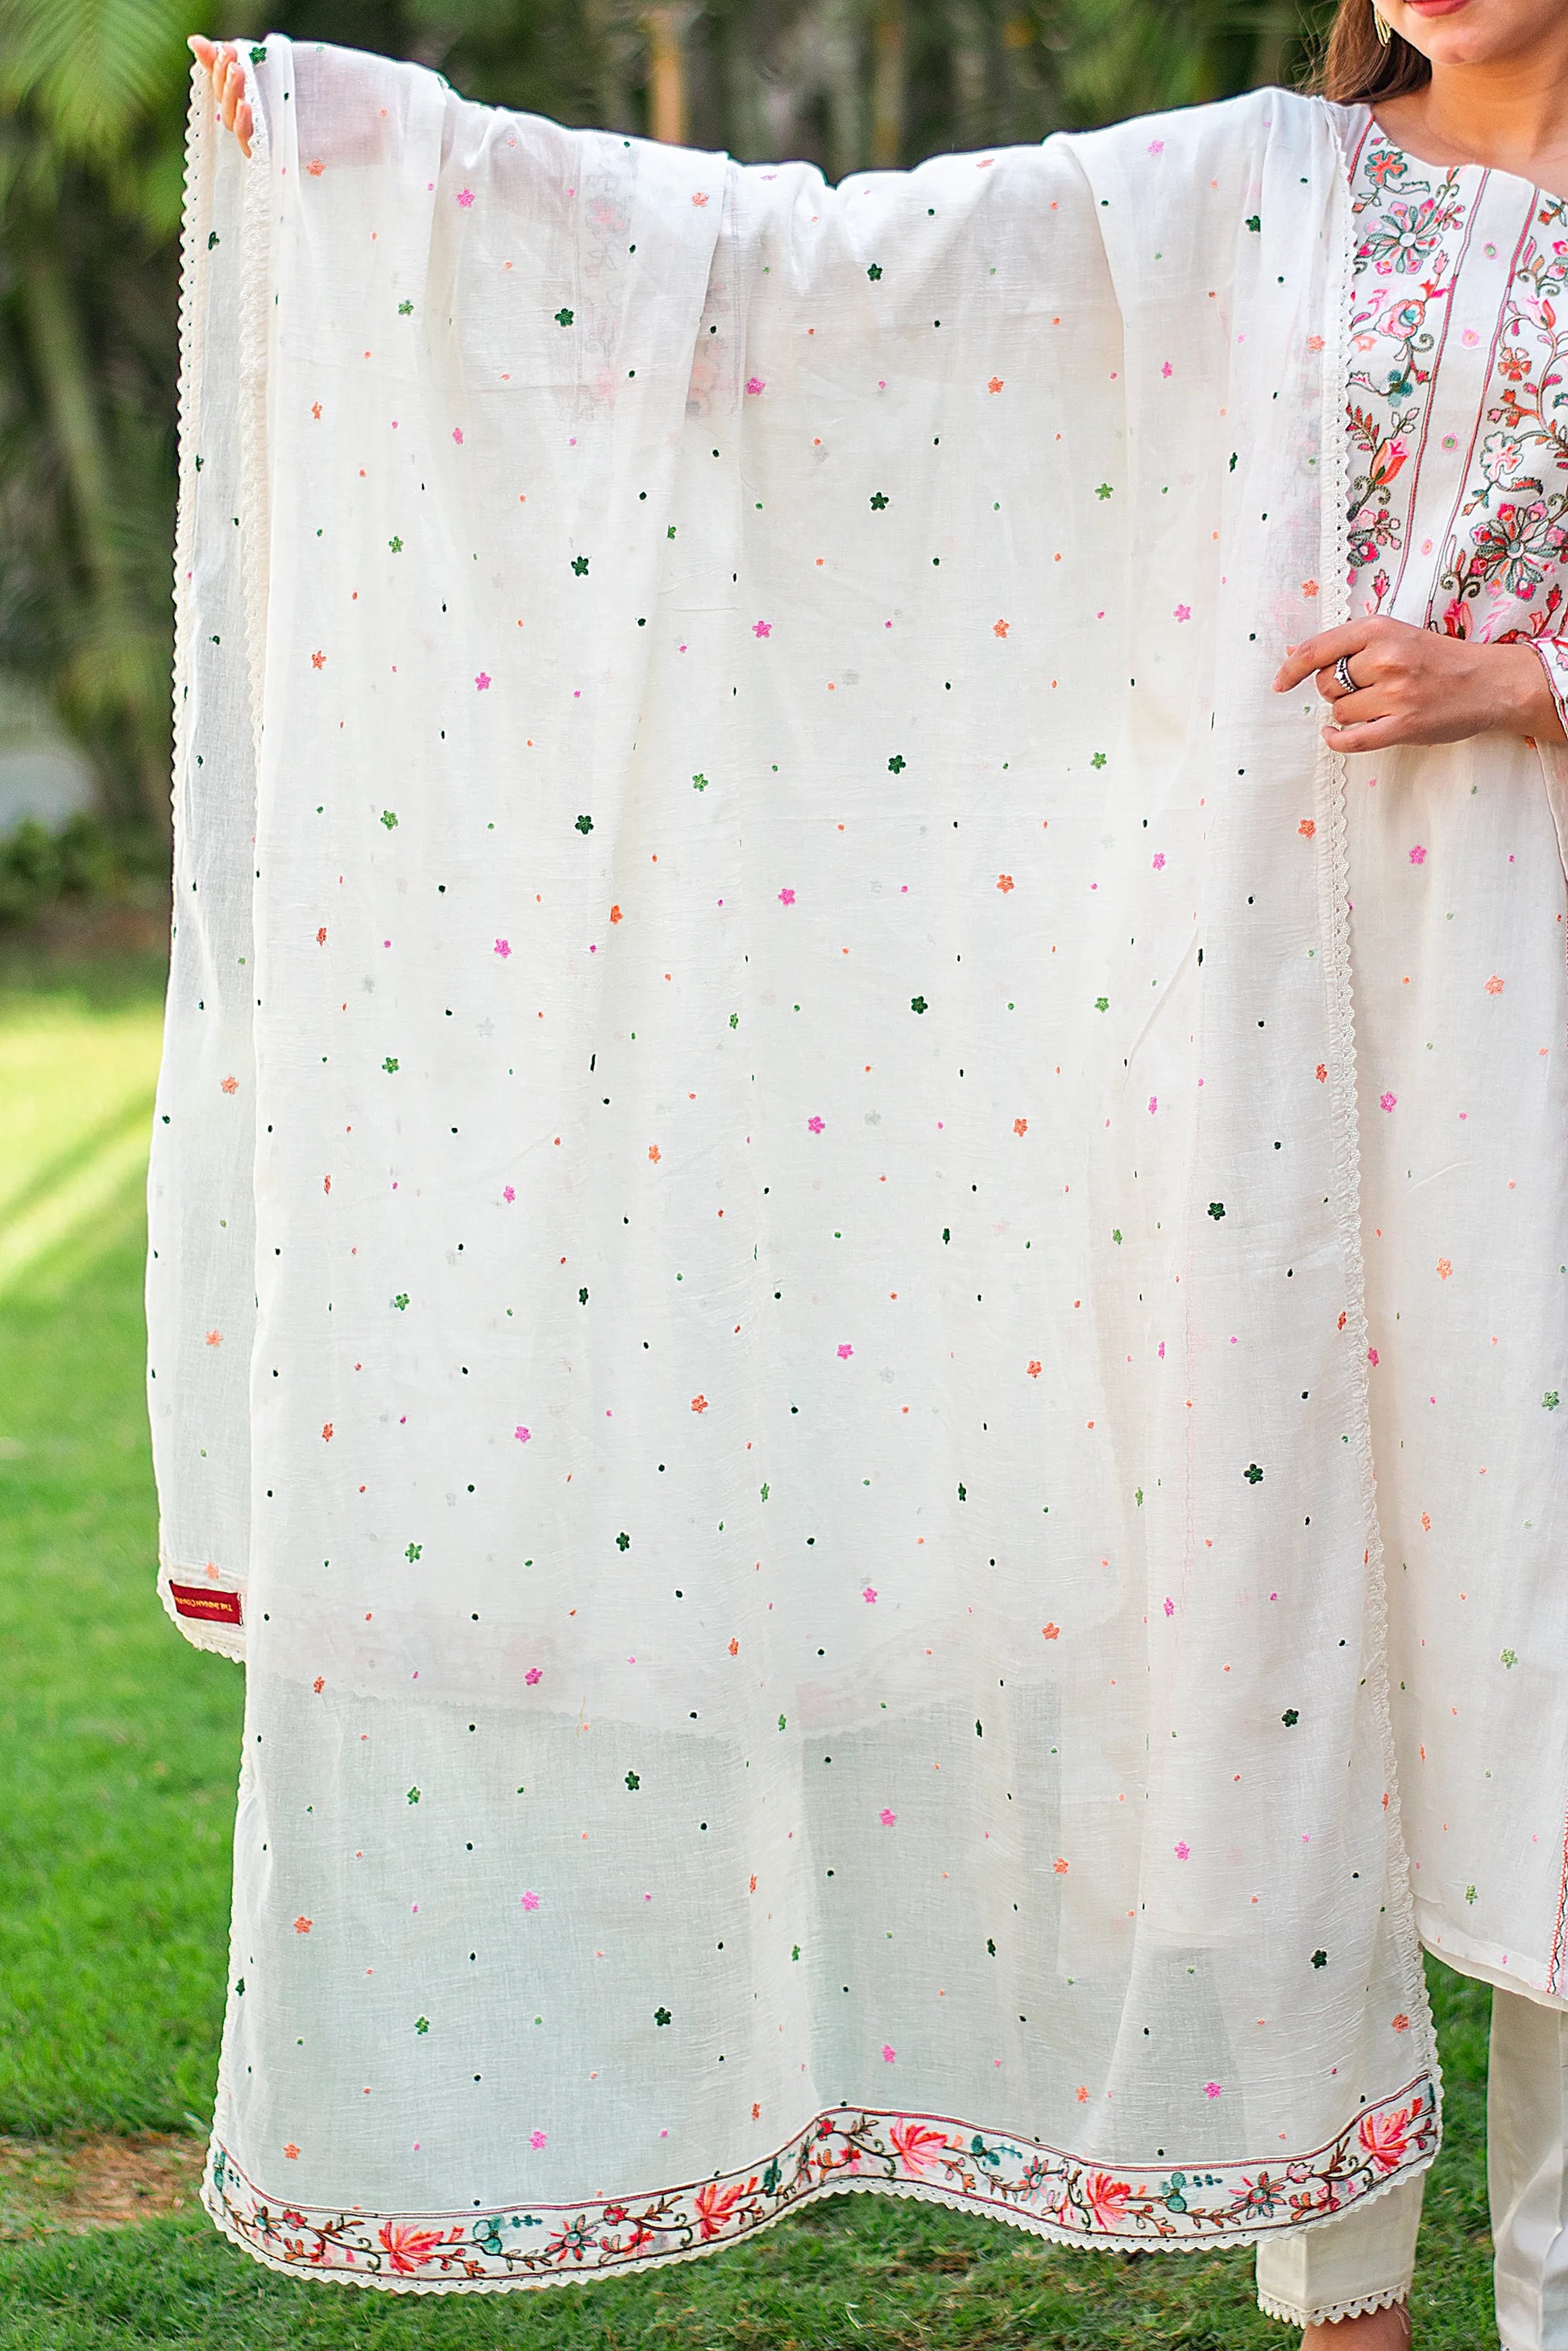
[[195, 1600]]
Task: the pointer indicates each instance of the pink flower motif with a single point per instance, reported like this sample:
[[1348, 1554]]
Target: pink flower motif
[[888, 2053], [785, 897], [465, 197], [762, 627], [1387, 1102], [482, 683], [845, 1350], [1182, 1850], [1156, 146], [530, 1901], [1184, 611], [916, 2145], [1417, 855], [886, 1818], [503, 948], [869, 1595], [1170, 1608], [1107, 2197], [536, 2138], [1153, 1104], [509, 1194], [408, 2248], [457, 435], [815, 1124], [1166, 367], [1159, 859], [755, 384], [1211, 2090], [1372, 1357], [522, 1435]]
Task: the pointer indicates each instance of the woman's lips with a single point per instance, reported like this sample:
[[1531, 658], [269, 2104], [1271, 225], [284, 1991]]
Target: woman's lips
[[1436, 8]]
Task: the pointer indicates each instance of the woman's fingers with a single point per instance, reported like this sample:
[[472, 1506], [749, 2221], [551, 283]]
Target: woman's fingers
[[244, 126], [1321, 653], [1371, 735]]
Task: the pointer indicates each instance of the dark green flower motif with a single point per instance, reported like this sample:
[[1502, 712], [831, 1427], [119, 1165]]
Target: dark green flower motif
[[405, 309], [1101, 1004], [1116, 1235], [979, 1732], [389, 818], [414, 1550], [963, 1494], [580, 565], [421, 2024], [633, 1782], [395, 545], [771, 2176], [735, 1019], [400, 1301], [918, 1004], [1098, 760], [563, 318], [660, 2016], [1548, 1401], [585, 825], [671, 532], [699, 783], [1252, 1473], [1254, 222], [946, 1232], [897, 764], [582, 1297], [389, 1064], [1320, 1958], [875, 272], [781, 1722], [990, 1947], [1289, 1717], [1103, 491], [879, 500], [1233, 457], [258, 55], [1217, 1209], [623, 1543], [795, 1951], [414, 1795]]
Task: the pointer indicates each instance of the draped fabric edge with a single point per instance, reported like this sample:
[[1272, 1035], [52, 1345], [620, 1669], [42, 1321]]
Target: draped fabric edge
[[1145, 2210]]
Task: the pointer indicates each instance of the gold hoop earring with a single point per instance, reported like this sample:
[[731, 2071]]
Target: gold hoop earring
[[1385, 30]]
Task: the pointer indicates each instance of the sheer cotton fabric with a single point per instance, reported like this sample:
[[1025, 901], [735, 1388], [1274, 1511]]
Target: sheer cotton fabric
[[808, 1578]]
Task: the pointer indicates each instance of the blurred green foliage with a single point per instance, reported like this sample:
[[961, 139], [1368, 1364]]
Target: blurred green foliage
[[92, 103]]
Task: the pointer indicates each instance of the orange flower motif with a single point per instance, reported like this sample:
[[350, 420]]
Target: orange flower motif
[[1425, 1523], [408, 2248], [215, 1338], [1306, 827], [318, 661], [302, 1925], [316, 410], [999, 628], [1387, 2137], [714, 2203], [1060, 1867], [699, 1404], [326, 1183], [699, 198], [1309, 587], [1052, 1632], [1494, 985], [1020, 1126], [915, 2145], [995, 384], [1314, 342], [326, 1432], [292, 2152], [321, 936], [1320, 1073], [1445, 1268], [319, 1685], [1004, 883], [756, 2111], [1082, 2094], [1107, 2197], [1401, 2024], [228, 1085], [654, 1152], [315, 167], [1034, 1367], [734, 1646], [753, 1886], [615, 914]]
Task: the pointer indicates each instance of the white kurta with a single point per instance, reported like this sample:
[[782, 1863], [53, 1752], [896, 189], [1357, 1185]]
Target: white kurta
[[756, 1305]]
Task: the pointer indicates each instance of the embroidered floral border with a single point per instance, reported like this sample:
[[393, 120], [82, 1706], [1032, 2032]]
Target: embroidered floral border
[[1055, 2195]]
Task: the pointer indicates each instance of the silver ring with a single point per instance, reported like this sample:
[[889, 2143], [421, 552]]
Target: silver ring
[[1342, 671]]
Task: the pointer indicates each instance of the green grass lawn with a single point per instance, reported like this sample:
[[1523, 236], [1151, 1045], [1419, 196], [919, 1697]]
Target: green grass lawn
[[119, 1749]]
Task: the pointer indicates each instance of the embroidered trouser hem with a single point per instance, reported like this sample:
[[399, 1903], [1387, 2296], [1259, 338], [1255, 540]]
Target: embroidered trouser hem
[[1364, 2260]]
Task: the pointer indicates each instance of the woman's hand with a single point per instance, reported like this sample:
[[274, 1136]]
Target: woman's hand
[[228, 86], [1412, 685]]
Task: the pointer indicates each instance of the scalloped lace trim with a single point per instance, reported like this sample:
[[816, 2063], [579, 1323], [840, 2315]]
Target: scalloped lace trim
[[1330, 2312]]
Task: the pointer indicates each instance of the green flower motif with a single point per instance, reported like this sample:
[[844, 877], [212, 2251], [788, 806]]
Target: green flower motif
[[1469, 1894], [1101, 1004], [1116, 1235], [1098, 760], [395, 545], [1252, 1473], [735, 1019], [671, 531], [1254, 222], [258, 55], [795, 1950], [963, 1493], [582, 1297], [765, 1490], [878, 500], [563, 318], [405, 309], [623, 1543], [875, 272], [400, 1301], [660, 2016], [699, 783], [1320, 1958], [1103, 491], [421, 2024], [918, 1004], [1510, 1657], [585, 825], [633, 1782], [1138, 1496], [389, 818], [991, 1946], [389, 1064], [897, 764], [413, 1795], [580, 565], [1289, 1717], [414, 1550], [1217, 1209], [781, 1722], [1548, 1401]]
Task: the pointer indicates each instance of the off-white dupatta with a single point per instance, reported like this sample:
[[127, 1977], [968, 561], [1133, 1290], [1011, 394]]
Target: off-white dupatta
[[757, 1317]]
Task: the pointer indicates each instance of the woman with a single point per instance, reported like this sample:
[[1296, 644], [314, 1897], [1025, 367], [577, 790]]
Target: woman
[[1453, 117]]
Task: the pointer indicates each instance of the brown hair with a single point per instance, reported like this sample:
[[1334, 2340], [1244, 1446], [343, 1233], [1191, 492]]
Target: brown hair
[[1355, 65]]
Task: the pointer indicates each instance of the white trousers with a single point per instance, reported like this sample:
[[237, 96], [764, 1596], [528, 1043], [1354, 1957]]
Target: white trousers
[[1364, 2259]]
